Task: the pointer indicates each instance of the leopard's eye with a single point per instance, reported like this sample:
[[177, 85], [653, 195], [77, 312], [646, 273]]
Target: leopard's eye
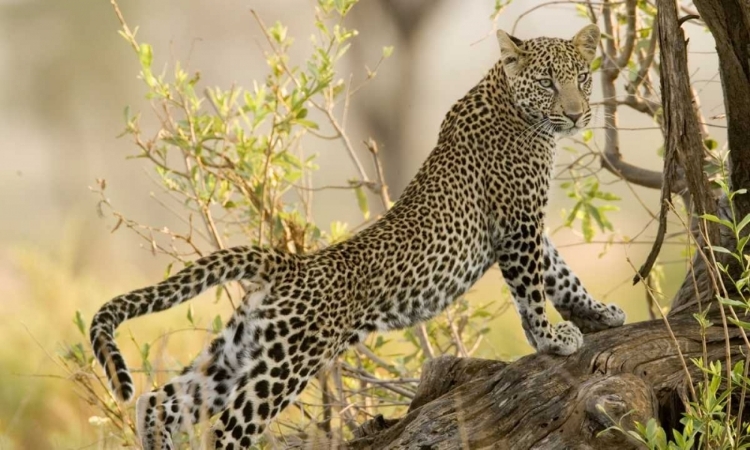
[[545, 83], [583, 77]]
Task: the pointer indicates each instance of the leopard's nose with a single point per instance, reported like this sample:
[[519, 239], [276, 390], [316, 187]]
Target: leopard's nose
[[573, 116]]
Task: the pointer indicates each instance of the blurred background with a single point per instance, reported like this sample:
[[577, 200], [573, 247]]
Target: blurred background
[[66, 76]]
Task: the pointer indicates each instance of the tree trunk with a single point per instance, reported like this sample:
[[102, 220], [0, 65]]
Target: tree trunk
[[729, 22], [632, 373], [546, 402]]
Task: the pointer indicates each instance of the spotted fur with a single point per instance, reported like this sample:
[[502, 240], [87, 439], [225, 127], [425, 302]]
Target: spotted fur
[[478, 200]]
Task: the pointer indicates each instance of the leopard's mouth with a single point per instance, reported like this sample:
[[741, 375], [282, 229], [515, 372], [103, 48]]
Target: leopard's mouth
[[565, 129], [559, 124], [563, 126]]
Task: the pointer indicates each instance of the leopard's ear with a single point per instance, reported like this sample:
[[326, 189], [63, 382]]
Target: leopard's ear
[[586, 41], [510, 53]]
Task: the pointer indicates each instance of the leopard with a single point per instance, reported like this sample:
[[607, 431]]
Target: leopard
[[478, 200]]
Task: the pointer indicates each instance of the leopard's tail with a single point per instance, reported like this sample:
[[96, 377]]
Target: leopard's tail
[[237, 263]]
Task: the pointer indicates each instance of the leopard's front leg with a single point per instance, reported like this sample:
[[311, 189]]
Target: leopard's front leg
[[521, 259], [570, 297]]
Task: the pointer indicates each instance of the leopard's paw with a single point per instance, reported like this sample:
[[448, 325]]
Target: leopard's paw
[[153, 435], [613, 316], [566, 340], [596, 318]]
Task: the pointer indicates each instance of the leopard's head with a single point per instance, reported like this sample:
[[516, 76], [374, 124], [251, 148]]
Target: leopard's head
[[550, 78]]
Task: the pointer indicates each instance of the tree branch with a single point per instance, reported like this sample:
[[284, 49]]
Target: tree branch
[[729, 23], [611, 65], [612, 161], [683, 139], [626, 51]]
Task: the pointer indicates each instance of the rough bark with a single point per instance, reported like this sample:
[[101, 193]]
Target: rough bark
[[629, 374], [729, 23], [545, 402], [683, 139]]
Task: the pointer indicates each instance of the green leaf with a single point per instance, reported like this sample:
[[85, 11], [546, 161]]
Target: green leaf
[[362, 201], [387, 51], [499, 6], [608, 196], [582, 11], [739, 323], [600, 220], [217, 325], [587, 135], [588, 230], [306, 123], [80, 323], [679, 440], [278, 32], [741, 244], [572, 216], [712, 218], [168, 270], [710, 144], [77, 354], [481, 313], [145, 351], [343, 6], [719, 249], [146, 56], [651, 428], [731, 302], [596, 63], [743, 223], [338, 231]]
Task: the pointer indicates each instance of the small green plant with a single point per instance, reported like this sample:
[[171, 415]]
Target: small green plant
[[705, 423], [714, 419]]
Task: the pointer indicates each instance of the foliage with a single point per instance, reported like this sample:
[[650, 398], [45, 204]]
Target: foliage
[[705, 423], [710, 420]]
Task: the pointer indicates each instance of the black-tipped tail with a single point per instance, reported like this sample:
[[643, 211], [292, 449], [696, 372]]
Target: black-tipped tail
[[232, 264], [109, 356]]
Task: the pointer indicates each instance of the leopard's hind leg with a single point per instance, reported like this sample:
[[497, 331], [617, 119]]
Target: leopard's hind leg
[[291, 343], [262, 361], [203, 388]]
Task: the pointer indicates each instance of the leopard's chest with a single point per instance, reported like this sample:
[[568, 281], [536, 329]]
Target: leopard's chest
[[428, 297]]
